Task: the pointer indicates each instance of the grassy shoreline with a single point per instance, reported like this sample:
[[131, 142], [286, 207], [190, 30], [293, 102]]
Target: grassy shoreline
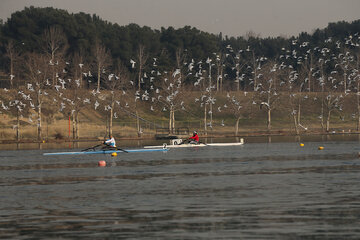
[[93, 124]]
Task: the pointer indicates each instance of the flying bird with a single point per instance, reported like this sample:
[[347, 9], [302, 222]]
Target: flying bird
[[132, 62]]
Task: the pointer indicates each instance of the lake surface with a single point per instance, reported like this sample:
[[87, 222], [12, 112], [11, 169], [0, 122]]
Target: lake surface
[[265, 189]]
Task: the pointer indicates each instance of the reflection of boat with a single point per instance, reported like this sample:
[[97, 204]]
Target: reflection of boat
[[107, 151], [176, 144], [163, 133]]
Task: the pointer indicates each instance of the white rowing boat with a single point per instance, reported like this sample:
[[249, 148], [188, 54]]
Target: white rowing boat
[[187, 145]]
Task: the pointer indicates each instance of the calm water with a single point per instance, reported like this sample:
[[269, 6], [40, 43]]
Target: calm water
[[260, 190]]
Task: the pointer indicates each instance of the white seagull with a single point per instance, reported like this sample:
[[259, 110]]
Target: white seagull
[[132, 63]]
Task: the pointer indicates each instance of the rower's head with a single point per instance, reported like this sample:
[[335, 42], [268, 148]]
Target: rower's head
[[194, 133]]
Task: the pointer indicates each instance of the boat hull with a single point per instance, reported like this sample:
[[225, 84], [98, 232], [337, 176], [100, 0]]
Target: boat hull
[[106, 152], [196, 145]]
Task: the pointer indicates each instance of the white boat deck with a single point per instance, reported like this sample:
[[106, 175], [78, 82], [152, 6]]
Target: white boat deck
[[197, 145]]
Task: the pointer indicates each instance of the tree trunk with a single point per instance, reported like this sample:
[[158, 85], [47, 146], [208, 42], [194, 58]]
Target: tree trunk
[[358, 106], [237, 126], [54, 80], [211, 115], [11, 53], [299, 113], [237, 79], [98, 77], [173, 121], [11, 72], [110, 122], [218, 79], [77, 125], [221, 81], [205, 119], [74, 124], [138, 123], [142, 57], [296, 124], [269, 119], [17, 126], [322, 97], [139, 76], [322, 112], [39, 123], [170, 121], [111, 118], [255, 69], [81, 79], [309, 73], [328, 121]]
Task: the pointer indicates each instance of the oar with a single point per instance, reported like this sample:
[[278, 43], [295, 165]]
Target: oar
[[202, 143], [110, 148], [122, 150], [91, 147]]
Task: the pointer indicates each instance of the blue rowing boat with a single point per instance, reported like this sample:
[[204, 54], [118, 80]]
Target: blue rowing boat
[[106, 151]]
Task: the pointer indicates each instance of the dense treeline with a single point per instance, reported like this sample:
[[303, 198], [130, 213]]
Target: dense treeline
[[61, 61], [83, 30]]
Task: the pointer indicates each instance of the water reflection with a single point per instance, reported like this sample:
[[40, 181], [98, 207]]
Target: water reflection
[[260, 190], [140, 143]]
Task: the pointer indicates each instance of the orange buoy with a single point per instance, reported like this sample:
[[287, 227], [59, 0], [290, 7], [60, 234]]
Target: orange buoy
[[321, 148], [114, 154], [102, 163], [301, 144]]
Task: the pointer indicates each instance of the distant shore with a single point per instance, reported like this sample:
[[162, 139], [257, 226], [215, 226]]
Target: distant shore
[[152, 137]]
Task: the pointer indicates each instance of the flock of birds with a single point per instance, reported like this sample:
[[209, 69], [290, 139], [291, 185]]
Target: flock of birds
[[293, 72]]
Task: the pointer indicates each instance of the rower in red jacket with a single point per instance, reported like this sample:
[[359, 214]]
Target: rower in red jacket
[[194, 139]]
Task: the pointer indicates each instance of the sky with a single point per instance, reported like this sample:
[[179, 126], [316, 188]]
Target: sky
[[230, 17]]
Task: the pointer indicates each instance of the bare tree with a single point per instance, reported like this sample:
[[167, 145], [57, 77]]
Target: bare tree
[[142, 57], [117, 85], [55, 45], [235, 58], [344, 63], [13, 55], [37, 73], [357, 78], [211, 99], [170, 95], [332, 102], [237, 105], [266, 93], [308, 67], [295, 86], [79, 69], [15, 102], [72, 98], [102, 61], [255, 68], [206, 99], [220, 63]]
